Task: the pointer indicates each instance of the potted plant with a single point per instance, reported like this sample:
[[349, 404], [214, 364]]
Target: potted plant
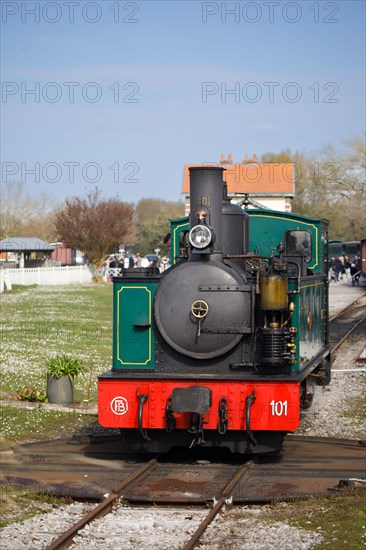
[[61, 371]]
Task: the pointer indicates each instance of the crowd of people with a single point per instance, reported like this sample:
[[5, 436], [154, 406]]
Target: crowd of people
[[114, 264], [340, 267], [344, 267]]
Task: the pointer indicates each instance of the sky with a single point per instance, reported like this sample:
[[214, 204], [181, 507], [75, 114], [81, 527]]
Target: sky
[[120, 95]]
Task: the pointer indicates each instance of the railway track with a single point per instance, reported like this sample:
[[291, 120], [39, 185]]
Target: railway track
[[345, 322], [305, 466], [66, 539]]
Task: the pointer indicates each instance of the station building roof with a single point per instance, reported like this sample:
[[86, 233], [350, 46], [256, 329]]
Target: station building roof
[[252, 177], [25, 244]]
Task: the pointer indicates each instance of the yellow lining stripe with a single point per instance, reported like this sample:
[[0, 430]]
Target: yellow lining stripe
[[315, 284], [186, 226]]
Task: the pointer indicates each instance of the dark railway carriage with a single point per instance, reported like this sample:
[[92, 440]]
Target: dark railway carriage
[[224, 347], [341, 248], [363, 257]]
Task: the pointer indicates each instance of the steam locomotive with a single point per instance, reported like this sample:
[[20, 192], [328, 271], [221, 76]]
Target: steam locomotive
[[224, 348]]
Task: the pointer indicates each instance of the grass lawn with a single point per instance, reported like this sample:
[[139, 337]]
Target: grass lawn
[[19, 424], [339, 518], [39, 322]]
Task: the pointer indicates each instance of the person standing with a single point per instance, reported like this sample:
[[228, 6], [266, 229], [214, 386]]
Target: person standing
[[338, 266], [347, 267]]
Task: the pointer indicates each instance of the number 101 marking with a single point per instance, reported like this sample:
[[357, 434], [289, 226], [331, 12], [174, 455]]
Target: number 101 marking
[[278, 408]]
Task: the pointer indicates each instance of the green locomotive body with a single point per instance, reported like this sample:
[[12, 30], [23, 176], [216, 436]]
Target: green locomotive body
[[224, 347]]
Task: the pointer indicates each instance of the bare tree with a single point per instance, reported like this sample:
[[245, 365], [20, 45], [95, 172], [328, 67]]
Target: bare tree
[[331, 184], [94, 225], [25, 216]]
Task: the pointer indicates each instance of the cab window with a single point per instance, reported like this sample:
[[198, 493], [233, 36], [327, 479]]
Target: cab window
[[298, 243]]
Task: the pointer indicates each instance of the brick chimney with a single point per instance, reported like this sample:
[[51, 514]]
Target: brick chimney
[[250, 161], [229, 160]]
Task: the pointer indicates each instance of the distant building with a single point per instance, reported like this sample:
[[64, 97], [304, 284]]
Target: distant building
[[62, 255], [268, 185], [24, 252]]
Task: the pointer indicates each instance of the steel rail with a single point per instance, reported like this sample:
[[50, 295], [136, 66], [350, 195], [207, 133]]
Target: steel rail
[[352, 329], [348, 308], [102, 509], [215, 510]]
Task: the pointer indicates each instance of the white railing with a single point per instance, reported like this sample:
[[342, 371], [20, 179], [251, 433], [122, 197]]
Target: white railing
[[65, 275]]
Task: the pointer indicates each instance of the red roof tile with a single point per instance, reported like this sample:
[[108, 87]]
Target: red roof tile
[[264, 178]]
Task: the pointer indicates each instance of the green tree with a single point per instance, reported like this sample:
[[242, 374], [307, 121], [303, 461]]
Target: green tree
[[152, 223], [283, 156], [151, 236]]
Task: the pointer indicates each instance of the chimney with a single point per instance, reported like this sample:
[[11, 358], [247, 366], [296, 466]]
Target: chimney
[[229, 160], [206, 191], [250, 161]]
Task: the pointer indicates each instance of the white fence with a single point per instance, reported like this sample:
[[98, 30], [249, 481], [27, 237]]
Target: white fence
[[45, 276]]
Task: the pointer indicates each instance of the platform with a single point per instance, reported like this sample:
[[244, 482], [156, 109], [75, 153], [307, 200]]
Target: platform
[[343, 294]]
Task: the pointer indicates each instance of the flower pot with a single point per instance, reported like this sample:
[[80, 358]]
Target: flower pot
[[60, 390]]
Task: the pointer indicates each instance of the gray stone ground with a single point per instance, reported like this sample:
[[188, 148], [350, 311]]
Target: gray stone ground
[[342, 294]]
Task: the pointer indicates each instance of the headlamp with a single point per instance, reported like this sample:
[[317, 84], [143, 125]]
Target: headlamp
[[200, 236]]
